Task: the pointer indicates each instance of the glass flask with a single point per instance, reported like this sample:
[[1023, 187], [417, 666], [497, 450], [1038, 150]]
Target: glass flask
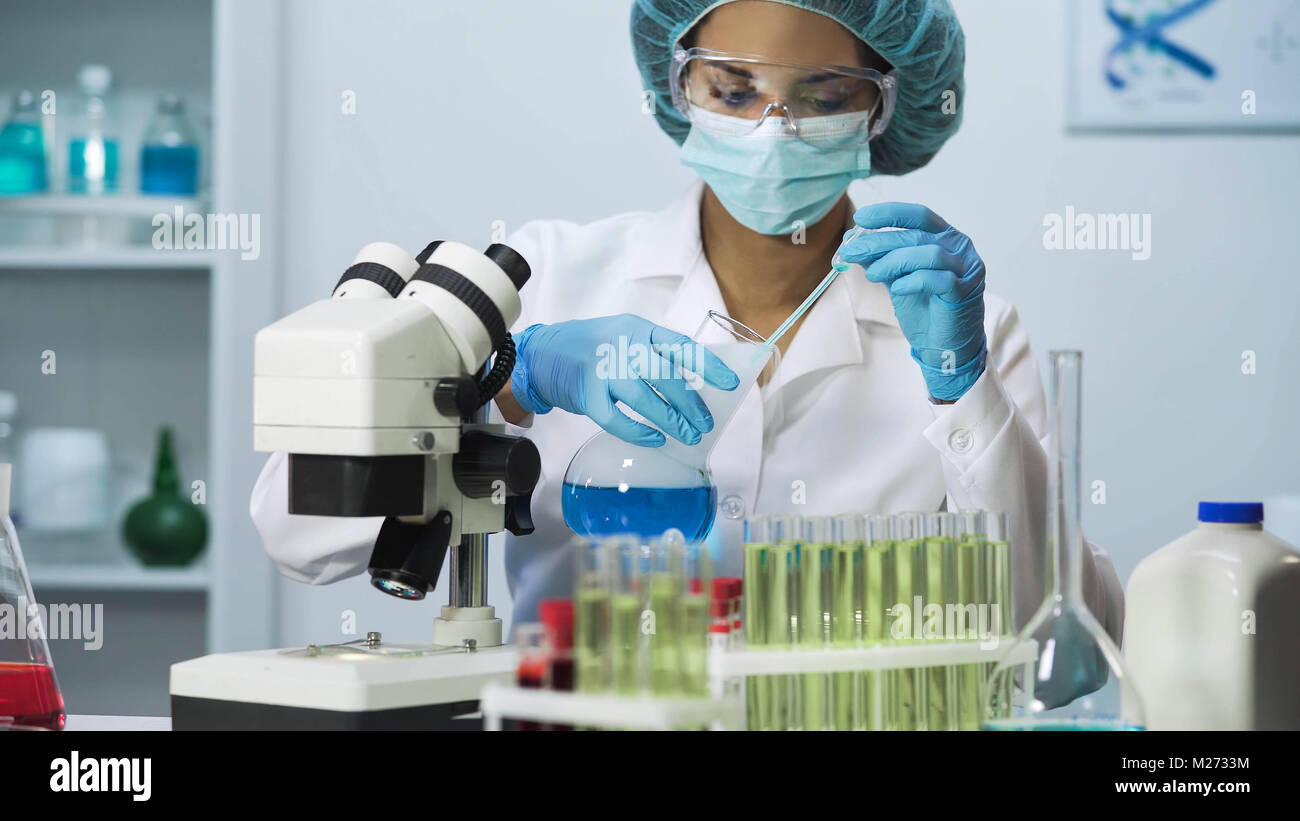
[[92, 151], [165, 528], [1079, 681], [615, 487], [30, 698], [169, 160], [22, 148]]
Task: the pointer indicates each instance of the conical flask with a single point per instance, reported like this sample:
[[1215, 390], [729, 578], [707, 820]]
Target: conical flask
[[1079, 680], [29, 694], [614, 487]]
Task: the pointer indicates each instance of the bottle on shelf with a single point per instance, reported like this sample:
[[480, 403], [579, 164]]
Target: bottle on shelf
[[22, 149], [169, 159], [92, 151], [165, 528]]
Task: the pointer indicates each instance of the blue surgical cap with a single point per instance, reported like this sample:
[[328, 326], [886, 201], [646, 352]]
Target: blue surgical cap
[[920, 38]]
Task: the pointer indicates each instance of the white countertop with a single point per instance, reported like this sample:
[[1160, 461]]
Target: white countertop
[[101, 723]]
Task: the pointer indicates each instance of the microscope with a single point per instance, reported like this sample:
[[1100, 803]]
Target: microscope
[[379, 396]]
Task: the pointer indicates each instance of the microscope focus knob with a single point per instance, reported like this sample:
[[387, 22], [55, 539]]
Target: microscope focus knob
[[519, 515], [456, 397], [488, 458]]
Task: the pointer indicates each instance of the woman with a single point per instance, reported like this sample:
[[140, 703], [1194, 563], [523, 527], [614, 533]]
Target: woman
[[906, 387]]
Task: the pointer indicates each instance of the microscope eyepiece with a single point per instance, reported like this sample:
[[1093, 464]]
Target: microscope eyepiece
[[509, 260], [475, 295], [379, 271]]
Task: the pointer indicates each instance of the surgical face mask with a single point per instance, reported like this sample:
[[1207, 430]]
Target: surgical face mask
[[767, 177]]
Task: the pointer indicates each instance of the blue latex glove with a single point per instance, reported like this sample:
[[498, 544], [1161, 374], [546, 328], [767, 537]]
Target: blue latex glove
[[936, 280], [576, 366]]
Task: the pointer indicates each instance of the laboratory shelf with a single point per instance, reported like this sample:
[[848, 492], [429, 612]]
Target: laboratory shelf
[[179, 325], [130, 206], [108, 257], [605, 711], [734, 663], [119, 577]]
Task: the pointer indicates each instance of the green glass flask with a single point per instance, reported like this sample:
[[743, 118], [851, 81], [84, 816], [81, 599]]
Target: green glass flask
[[165, 528]]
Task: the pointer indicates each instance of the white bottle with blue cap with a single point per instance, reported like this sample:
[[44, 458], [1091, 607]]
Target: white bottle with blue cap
[[1213, 627]]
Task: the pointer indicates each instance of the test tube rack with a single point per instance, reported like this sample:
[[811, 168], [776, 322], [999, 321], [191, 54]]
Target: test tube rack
[[606, 711], [725, 709], [756, 662]]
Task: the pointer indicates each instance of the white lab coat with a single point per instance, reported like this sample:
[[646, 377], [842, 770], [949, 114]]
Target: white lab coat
[[844, 426]]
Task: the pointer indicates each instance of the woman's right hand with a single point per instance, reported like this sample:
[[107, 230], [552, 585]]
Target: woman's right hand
[[587, 366]]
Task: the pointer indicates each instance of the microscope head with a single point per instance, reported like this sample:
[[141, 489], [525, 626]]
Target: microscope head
[[392, 356], [378, 396]]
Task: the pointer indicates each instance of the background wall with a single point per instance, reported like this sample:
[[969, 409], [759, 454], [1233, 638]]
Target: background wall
[[504, 110]]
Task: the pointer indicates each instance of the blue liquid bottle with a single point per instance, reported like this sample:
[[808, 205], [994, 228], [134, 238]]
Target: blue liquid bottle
[[92, 152], [22, 149], [169, 160]]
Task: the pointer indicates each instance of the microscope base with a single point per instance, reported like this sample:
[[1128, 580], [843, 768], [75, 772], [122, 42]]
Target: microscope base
[[335, 687]]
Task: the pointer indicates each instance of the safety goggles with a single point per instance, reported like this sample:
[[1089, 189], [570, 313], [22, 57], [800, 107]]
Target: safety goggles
[[856, 103]]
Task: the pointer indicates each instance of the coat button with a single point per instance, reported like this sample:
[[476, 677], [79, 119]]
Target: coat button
[[733, 507], [960, 440]]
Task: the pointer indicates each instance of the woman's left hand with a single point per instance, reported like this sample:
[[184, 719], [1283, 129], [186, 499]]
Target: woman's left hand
[[936, 280]]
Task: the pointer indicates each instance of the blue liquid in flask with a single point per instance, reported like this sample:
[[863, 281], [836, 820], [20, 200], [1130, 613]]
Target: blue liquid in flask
[[92, 165], [641, 511], [169, 169], [22, 159]]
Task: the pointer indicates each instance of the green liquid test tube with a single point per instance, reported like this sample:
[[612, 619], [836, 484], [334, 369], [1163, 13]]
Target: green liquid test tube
[[816, 596], [783, 619], [592, 622], [879, 595], [847, 621], [758, 690], [974, 617], [997, 546], [626, 631], [666, 585], [628, 602], [695, 620], [909, 688], [941, 589]]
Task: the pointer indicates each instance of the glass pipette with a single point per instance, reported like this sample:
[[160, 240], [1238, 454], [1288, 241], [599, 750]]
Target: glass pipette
[[837, 266]]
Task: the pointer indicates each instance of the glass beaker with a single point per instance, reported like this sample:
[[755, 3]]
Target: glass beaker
[[30, 698], [615, 487], [1079, 681]]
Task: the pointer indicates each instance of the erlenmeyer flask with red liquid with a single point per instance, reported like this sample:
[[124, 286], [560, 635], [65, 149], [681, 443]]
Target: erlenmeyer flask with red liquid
[[29, 693]]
